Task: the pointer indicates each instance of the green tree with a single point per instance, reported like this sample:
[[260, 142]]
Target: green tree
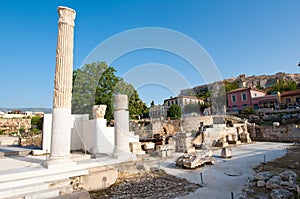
[[229, 86], [152, 104], [96, 83], [106, 89], [204, 106], [136, 106], [283, 85], [174, 112], [85, 83], [204, 95], [37, 122]]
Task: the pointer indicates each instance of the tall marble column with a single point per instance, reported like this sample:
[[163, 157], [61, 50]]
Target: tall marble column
[[121, 117], [61, 117]]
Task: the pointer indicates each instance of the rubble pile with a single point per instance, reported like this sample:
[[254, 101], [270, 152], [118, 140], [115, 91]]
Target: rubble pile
[[282, 185], [153, 184]]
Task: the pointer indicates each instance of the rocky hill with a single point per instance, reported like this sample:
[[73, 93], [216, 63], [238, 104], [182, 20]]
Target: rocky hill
[[262, 81]]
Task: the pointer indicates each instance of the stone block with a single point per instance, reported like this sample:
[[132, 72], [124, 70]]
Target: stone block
[[136, 148], [99, 178], [226, 153], [149, 145], [191, 150]]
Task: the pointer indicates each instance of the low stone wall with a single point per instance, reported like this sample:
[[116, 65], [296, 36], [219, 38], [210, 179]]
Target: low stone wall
[[10, 125], [186, 124], [284, 133]]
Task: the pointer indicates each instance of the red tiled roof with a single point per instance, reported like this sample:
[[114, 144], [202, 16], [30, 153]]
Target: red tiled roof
[[239, 89], [290, 93]]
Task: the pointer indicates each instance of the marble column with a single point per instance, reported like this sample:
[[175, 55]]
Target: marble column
[[121, 117], [61, 116]]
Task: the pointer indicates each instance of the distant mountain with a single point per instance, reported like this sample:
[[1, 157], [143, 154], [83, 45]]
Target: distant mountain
[[45, 110]]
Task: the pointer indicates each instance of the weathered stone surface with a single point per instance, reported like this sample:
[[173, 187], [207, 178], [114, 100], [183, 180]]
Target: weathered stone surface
[[274, 182], [9, 125], [264, 175], [226, 153], [64, 59], [281, 194], [99, 111], [261, 183], [75, 195], [99, 179], [287, 175], [136, 148]]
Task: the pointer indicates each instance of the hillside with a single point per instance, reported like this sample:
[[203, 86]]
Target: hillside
[[263, 81]]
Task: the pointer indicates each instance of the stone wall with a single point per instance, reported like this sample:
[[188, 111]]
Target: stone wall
[[14, 124], [284, 133], [187, 124]]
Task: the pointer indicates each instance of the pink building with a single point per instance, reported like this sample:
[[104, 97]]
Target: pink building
[[241, 98]]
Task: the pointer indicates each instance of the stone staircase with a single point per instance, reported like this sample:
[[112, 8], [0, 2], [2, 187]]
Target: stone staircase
[[30, 183]]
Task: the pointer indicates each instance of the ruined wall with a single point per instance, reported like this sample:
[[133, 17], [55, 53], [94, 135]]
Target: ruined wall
[[187, 124], [10, 125], [286, 133]]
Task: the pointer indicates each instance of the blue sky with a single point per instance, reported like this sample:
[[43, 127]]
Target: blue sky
[[241, 36]]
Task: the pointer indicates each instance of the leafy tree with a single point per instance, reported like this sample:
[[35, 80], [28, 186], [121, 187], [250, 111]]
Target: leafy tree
[[204, 106], [37, 121], [229, 86], [96, 83], [85, 83], [136, 106], [105, 90], [152, 104], [204, 95], [284, 85], [174, 112]]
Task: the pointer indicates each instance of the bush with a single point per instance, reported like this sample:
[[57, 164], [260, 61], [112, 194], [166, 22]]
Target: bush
[[248, 110], [174, 112]]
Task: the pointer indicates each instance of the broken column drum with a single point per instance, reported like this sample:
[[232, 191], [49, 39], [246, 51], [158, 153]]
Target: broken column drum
[[61, 117], [121, 116]]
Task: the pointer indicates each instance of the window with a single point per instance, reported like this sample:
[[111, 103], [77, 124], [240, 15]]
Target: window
[[244, 106], [288, 100], [297, 99], [244, 96], [256, 106], [233, 98], [234, 108]]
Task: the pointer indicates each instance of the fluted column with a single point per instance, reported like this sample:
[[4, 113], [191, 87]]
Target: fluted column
[[61, 117]]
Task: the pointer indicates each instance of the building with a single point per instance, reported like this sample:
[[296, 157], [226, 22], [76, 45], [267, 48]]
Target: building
[[188, 104], [182, 101], [241, 98], [267, 101], [290, 98], [158, 112]]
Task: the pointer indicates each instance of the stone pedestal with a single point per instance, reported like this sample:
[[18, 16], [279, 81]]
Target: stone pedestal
[[136, 148], [121, 116], [61, 117], [226, 153]]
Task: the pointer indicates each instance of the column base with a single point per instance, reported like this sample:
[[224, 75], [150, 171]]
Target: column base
[[124, 155], [59, 163]]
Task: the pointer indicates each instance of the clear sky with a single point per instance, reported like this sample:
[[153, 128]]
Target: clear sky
[[241, 36]]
